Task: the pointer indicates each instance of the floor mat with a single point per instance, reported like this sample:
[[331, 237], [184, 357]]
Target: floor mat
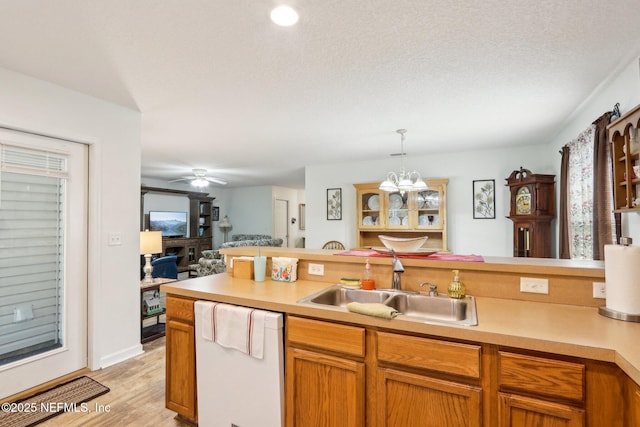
[[68, 397]]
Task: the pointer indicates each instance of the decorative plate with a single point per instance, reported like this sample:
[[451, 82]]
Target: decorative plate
[[420, 252], [395, 201], [428, 200], [394, 220], [405, 220], [374, 202], [367, 220]]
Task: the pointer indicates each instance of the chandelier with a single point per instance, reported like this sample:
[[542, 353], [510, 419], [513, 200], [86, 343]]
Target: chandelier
[[404, 182]]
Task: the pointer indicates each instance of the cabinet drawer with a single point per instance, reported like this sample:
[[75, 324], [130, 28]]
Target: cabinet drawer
[[541, 376], [425, 353], [180, 309], [329, 336]]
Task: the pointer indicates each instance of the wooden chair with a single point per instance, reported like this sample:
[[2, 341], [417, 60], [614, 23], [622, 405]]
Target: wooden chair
[[333, 244]]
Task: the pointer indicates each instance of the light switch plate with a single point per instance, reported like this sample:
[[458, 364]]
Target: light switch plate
[[534, 285], [115, 238]]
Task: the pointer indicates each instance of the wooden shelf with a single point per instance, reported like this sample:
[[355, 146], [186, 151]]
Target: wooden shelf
[[619, 133]]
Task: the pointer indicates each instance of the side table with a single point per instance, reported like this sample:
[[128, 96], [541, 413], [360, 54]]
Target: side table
[[157, 330]]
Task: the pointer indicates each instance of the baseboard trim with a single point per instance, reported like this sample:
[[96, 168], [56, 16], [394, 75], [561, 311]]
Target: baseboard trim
[[121, 356]]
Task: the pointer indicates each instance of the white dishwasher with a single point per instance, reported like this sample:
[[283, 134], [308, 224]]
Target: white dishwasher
[[234, 388]]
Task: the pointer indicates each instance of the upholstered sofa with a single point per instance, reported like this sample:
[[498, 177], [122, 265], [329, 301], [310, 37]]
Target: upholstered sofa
[[251, 240], [211, 262]]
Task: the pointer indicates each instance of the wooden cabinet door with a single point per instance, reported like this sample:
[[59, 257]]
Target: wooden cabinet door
[[180, 387], [428, 210], [406, 399], [633, 404], [181, 369], [323, 390], [371, 208], [518, 411]]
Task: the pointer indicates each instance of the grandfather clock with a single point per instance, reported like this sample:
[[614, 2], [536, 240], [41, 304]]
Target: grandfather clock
[[532, 210]]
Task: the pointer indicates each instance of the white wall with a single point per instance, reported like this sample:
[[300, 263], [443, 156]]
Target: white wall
[[622, 87], [251, 210], [466, 235], [114, 200]]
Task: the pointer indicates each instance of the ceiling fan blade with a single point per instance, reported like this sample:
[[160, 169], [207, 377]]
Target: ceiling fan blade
[[182, 179], [216, 180]]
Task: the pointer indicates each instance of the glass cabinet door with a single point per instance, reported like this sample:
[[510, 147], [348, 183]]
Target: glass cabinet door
[[397, 210], [428, 206], [370, 208]]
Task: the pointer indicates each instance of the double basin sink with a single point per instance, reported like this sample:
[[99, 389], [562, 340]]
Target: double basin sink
[[430, 309]]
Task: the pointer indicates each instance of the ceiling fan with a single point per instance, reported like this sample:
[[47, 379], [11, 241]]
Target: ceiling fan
[[200, 179]]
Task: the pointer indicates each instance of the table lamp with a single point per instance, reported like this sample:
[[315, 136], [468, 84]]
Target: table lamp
[[150, 243], [225, 226]]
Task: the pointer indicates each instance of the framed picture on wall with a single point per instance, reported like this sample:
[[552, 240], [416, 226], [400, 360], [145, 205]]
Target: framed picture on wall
[[334, 204], [484, 202], [215, 214]]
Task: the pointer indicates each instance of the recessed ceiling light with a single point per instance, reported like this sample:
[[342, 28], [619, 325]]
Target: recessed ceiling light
[[284, 16]]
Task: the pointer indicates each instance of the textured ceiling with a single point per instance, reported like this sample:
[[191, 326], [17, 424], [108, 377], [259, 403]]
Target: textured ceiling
[[221, 87]]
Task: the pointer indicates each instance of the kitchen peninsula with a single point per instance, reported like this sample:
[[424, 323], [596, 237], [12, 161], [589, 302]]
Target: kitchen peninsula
[[548, 358]]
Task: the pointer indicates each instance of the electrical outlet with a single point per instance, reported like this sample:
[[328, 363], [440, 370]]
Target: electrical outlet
[[115, 239], [599, 290], [535, 286], [316, 269]]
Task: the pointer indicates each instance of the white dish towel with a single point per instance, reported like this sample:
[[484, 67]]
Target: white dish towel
[[235, 327]]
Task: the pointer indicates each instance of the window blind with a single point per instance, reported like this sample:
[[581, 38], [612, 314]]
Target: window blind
[[32, 199]]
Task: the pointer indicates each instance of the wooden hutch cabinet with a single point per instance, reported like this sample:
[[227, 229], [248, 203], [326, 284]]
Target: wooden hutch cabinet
[[625, 154], [402, 215], [532, 210], [186, 249]]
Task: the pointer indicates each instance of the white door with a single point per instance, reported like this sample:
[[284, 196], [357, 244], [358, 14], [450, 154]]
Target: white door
[[43, 263], [281, 221]]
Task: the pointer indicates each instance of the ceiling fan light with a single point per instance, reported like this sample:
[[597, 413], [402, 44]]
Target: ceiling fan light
[[200, 182]]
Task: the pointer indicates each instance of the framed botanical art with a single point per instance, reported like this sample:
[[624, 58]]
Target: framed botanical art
[[216, 213], [334, 204], [484, 202]]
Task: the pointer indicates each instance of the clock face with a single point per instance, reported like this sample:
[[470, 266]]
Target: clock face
[[523, 201]]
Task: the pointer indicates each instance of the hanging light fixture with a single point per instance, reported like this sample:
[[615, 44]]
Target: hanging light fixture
[[404, 182]]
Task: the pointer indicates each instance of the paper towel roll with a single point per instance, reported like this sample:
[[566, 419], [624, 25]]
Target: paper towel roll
[[622, 276]]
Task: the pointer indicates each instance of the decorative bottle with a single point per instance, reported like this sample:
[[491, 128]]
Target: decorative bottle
[[456, 289], [367, 278]]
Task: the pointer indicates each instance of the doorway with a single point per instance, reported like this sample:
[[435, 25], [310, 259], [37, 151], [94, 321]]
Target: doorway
[[43, 259], [281, 221]]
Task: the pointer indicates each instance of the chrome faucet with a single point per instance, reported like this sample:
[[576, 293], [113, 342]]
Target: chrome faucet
[[398, 269], [433, 289]]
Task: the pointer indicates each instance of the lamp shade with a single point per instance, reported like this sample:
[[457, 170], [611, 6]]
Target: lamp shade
[[224, 223], [150, 242]]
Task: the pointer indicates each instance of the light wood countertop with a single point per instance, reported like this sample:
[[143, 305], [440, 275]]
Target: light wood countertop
[[556, 328]]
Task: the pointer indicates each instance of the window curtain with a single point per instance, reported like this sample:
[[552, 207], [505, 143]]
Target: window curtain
[[565, 252], [580, 205], [606, 226]]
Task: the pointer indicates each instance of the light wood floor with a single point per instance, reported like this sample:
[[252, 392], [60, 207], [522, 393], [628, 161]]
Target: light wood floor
[[136, 397]]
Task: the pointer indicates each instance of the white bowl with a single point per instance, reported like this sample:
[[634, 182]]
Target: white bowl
[[400, 244]]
